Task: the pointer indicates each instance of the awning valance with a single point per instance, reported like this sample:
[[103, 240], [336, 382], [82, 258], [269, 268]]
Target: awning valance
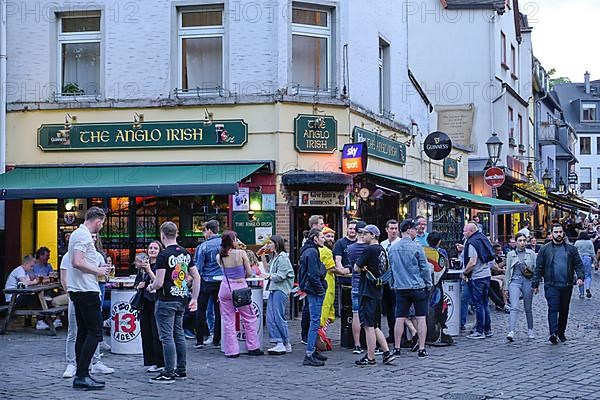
[[544, 200], [461, 197], [126, 180]]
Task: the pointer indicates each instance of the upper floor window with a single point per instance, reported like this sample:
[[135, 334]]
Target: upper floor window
[[585, 145], [503, 49], [311, 48], [79, 38], [597, 145], [200, 36], [588, 112], [513, 60], [520, 126], [384, 77], [585, 178], [511, 126]]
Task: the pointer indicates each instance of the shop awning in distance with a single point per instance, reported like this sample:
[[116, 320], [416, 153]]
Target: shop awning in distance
[[124, 180], [460, 197]]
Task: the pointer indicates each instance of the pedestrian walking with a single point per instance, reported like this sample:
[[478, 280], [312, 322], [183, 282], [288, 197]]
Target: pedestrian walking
[[557, 262], [151, 345], [236, 268], [585, 247], [280, 273], [311, 277], [411, 283], [520, 264], [371, 265], [173, 264], [82, 285]]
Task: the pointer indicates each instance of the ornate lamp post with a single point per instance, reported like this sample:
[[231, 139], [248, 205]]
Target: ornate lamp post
[[494, 148]]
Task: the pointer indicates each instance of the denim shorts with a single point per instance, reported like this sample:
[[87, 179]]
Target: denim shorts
[[355, 300], [406, 298]]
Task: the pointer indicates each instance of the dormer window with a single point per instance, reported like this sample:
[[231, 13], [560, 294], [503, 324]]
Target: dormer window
[[588, 112]]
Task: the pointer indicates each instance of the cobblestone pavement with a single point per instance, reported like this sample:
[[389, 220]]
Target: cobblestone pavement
[[32, 364]]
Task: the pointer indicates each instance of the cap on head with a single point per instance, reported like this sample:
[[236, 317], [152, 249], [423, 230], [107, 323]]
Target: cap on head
[[360, 225], [372, 229], [407, 224]]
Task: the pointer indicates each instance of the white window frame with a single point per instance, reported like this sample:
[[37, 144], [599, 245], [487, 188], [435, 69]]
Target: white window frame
[[581, 139], [77, 37], [319, 32], [597, 178], [213, 31], [381, 70], [589, 106], [581, 178]]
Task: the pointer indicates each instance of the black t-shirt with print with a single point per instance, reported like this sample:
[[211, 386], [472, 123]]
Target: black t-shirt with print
[[176, 262], [373, 257]]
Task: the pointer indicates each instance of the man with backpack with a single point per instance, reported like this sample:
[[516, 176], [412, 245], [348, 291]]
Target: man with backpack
[[372, 264]]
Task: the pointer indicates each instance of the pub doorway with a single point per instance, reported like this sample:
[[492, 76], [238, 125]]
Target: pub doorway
[[332, 216]]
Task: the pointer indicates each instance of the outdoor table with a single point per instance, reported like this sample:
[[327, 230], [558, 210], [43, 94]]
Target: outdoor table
[[124, 320], [44, 311]]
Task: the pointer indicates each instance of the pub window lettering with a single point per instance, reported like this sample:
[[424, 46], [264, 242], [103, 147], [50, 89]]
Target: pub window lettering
[[585, 145], [79, 39], [311, 48], [200, 41]]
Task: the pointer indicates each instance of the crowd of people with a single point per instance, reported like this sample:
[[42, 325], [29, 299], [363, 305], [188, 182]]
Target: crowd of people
[[392, 278]]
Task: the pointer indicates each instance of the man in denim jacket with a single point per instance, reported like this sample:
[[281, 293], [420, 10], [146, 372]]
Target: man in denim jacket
[[411, 282]]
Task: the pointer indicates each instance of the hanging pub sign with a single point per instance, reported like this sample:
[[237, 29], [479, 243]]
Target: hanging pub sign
[[354, 158], [437, 145], [380, 146], [450, 168], [494, 177], [124, 135], [315, 133], [321, 199]]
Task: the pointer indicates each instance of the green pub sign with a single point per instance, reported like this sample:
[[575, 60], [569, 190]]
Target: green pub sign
[[254, 229], [451, 168], [380, 146], [126, 135], [315, 133]]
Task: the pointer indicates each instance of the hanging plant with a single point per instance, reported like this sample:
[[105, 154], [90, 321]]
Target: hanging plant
[[72, 88]]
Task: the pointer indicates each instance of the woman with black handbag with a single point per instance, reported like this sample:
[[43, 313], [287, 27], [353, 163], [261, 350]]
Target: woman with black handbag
[[151, 345], [234, 293], [520, 264]]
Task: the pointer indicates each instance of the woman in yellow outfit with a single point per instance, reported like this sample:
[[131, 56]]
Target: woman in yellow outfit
[[326, 255]]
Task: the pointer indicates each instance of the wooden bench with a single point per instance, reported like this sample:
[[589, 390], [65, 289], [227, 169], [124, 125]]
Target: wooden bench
[[3, 309], [46, 313]]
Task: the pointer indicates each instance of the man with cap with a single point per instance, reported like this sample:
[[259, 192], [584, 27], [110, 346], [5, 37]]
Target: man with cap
[[412, 279], [371, 265], [354, 251], [326, 255], [388, 302]]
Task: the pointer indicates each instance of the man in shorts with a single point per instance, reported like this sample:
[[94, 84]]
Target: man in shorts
[[354, 252], [412, 278]]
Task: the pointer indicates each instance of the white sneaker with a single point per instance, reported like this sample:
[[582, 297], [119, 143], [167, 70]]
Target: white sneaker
[[530, 334], [278, 349], [70, 371], [154, 368], [511, 336], [41, 325], [57, 323], [288, 347], [104, 346], [208, 340], [100, 368]]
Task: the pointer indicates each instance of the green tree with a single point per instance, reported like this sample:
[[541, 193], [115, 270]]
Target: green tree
[[556, 80]]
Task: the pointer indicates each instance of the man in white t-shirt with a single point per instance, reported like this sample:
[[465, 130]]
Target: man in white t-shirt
[[20, 275], [525, 230], [82, 284]]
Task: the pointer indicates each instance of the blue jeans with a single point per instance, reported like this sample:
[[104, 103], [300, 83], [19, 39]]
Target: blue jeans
[[558, 299], [315, 304], [480, 289], [465, 301], [169, 320], [278, 326], [587, 273]]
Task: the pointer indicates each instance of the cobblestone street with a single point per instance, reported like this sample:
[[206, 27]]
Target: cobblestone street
[[32, 364]]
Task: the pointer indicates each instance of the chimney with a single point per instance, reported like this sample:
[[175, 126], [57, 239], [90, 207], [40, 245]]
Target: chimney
[[587, 82]]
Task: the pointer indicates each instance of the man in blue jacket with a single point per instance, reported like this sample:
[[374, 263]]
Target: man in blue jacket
[[557, 262]]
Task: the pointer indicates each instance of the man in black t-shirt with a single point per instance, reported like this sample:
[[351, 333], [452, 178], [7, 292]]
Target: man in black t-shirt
[[371, 265], [173, 264], [339, 252]]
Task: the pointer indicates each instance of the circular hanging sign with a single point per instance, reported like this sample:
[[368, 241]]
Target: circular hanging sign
[[494, 177], [437, 145]]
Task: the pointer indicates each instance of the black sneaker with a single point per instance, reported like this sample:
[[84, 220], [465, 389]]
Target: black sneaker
[[588, 293], [562, 337], [423, 354], [357, 350], [553, 339], [396, 352], [388, 358], [319, 356], [256, 352], [312, 361], [199, 345], [378, 351], [162, 378], [365, 362], [415, 343], [180, 375]]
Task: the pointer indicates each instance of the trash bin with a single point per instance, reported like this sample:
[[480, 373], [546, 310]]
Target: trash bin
[[346, 339], [452, 301], [124, 323], [257, 307]]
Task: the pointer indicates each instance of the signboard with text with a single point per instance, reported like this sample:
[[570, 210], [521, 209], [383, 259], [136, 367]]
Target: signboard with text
[[255, 228], [321, 199], [380, 146], [437, 145], [354, 158], [315, 133], [123, 135]]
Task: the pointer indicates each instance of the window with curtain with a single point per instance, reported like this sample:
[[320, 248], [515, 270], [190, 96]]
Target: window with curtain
[[79, 40], [311, 42], [585, 178], [588, 112], [201, 34], [585, 145], [511, 124]]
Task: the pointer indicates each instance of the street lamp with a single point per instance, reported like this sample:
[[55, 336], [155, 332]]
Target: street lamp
[[546, 179], [494, 148], [561, 185]]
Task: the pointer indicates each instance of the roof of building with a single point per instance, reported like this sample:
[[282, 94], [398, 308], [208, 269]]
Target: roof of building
[[568, 95], [498, 5]]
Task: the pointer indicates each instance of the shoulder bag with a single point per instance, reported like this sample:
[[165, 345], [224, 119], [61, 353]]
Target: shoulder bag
[[240, 297], [525, 270]]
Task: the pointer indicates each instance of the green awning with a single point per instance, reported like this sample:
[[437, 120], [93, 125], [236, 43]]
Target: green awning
[[126, 180], [461, 197]]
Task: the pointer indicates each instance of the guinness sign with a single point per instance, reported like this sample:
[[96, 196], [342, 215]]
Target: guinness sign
[[437, 145]]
